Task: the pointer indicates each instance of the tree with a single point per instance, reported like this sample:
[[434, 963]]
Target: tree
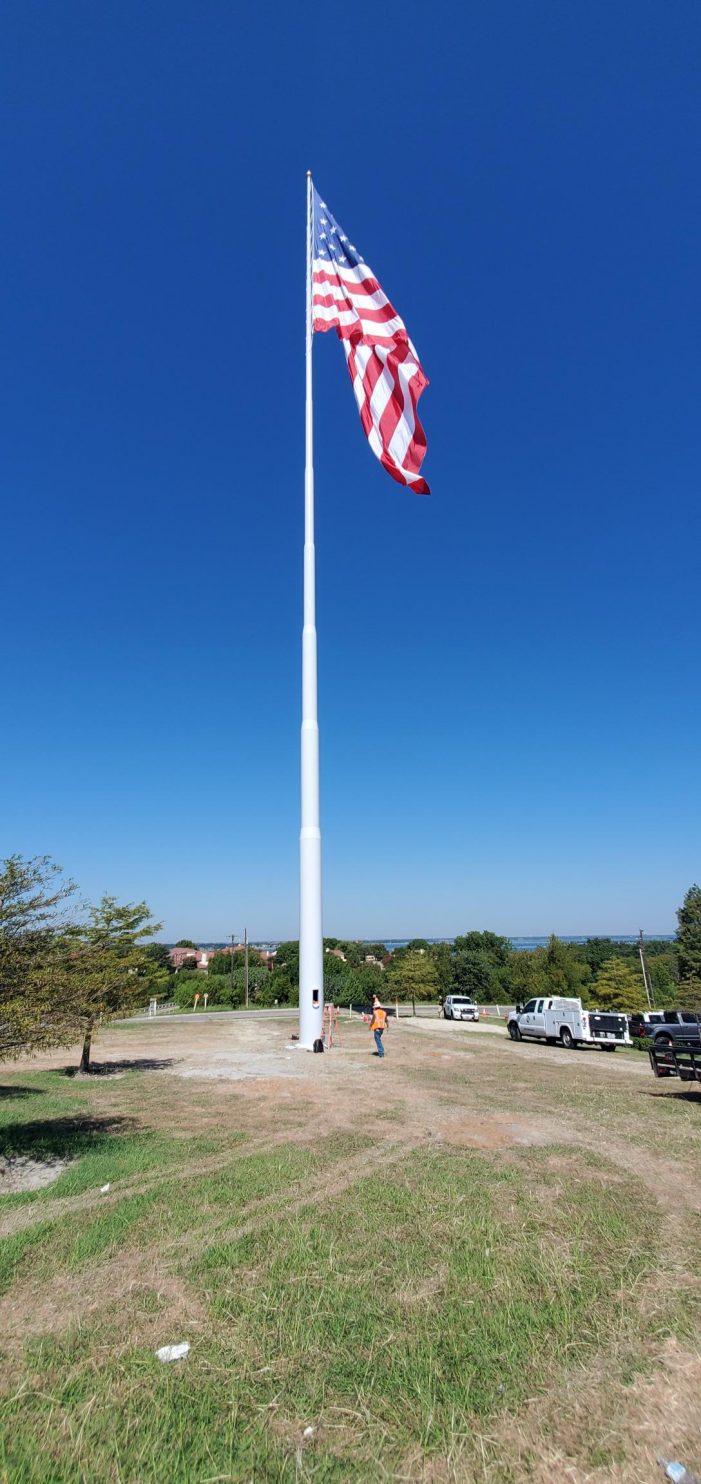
[[185, 943], [110, 968], [413, 977], [563, 972], [442, 959], [618, 987], [596, 951], [663, 979], [528, 975], [472, 975], [689, 936], [220, 964], [34, 1009], [160, 956], [490, 945], [285, 974]]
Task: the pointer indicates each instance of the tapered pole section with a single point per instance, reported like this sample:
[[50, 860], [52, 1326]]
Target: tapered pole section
[[311, 950]]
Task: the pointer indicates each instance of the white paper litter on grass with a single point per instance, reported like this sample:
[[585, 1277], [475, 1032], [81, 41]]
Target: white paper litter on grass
[[173, 1352], [104, 1189]]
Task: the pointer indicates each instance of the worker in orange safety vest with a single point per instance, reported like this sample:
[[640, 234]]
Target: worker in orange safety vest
[[378, 1024]]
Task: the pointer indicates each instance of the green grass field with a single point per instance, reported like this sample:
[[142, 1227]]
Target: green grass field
[[409, 1299]]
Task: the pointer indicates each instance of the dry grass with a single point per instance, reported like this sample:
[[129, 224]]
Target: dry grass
[[473, 1261]]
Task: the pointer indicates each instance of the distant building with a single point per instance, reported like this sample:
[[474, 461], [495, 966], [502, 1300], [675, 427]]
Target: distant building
[[190, 958], [181, 956], [200, 958]]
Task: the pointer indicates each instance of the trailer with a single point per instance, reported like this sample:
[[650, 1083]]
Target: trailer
[[679, 1061]]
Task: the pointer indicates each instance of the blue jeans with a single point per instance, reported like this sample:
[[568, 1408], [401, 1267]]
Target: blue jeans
[[378, 1043]]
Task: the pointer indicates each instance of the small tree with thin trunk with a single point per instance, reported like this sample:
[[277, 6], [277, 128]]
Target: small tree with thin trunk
[[413, 977], [112, 971]]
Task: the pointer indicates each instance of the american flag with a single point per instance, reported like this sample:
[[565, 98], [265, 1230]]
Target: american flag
[[385, 370]]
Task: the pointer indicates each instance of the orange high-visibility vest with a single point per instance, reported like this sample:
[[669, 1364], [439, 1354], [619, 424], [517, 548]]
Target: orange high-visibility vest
[[379, 1019]]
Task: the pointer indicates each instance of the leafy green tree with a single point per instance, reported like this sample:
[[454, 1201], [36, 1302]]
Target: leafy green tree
[[413, 977], [339, 980], [34, 1004], [595, 952], [110, 969], [188, 983], [160, 956], [490, 945], [689, 936], [353, 950], [418, 945], [185, 943], [220, 964], [618, 987], [472, 975], [528, 977], [442, 959], [285, 973], [662, 970], [563, 972]]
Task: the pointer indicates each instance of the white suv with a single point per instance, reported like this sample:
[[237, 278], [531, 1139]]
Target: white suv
[[458, 1007]]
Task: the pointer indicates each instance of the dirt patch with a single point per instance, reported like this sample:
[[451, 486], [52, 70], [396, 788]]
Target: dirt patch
[[152, 1302], [22, 1174], [621, 1430]]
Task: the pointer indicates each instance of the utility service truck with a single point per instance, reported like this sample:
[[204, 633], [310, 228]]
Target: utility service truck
[[554, 1018]]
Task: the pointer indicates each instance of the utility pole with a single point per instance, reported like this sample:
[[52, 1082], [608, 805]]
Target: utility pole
[[646, 977], [245, 953]]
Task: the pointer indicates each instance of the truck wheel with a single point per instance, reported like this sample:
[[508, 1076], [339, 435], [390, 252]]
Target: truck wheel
[[609, 1048], [664, 1041], [567, 1038], [445, 1014], [514, 1031]]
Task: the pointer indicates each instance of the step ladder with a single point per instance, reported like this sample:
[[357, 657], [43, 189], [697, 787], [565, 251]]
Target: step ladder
[[330, 1033]]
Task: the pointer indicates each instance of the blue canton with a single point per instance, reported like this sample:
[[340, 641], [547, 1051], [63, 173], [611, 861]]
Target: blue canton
[[330, 241]]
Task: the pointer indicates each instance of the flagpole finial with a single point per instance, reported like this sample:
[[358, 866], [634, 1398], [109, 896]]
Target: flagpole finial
[[309, 172]]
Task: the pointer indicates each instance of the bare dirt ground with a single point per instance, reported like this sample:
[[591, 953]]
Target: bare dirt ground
[[437, 1083]]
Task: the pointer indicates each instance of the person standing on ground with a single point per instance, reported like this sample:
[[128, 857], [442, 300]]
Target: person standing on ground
[[378, 1024]]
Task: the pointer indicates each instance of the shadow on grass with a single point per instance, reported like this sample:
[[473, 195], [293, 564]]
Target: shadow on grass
[[21, 1092], [61, 1138], [680, 1094], [116, 1068]]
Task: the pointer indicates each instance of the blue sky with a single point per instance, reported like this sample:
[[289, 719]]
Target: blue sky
[[509, 696]]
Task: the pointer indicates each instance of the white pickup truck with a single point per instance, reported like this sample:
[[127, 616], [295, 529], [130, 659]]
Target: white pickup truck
[[554, 1018]]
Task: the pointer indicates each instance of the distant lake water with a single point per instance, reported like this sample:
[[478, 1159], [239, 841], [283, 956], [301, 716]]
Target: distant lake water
[[518, 943], [529, 943]]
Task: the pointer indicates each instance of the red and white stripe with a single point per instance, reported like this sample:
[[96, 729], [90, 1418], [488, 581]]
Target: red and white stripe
[[385, 370]]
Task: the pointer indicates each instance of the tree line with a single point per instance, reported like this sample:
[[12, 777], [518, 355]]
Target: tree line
[[601, 971], [66, 967]]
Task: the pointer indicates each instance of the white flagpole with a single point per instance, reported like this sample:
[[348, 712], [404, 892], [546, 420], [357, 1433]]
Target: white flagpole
[[311, 948]]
